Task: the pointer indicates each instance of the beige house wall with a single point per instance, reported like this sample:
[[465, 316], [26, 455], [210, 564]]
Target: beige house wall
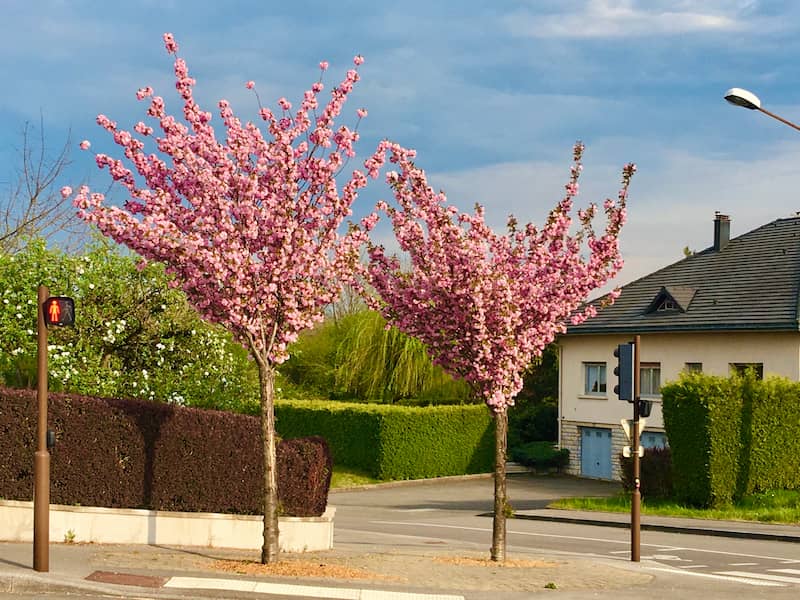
[[779, 352]]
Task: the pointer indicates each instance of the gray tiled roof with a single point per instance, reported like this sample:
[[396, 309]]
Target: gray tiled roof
[[751, 284]]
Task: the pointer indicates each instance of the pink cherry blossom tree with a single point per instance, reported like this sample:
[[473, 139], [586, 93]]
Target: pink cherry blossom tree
[[248, 224], [486, 304]]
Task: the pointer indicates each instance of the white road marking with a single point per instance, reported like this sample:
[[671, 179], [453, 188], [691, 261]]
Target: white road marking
[[416, 510], [742, 564], [780, 578], [781, 559], [695, 567], [787, 571], [284, 589], [748, 581]]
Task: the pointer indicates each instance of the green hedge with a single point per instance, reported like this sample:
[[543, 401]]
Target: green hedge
[[732, 436], [396, 442]]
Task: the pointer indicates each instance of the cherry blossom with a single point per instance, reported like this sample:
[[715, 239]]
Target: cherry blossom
[[247, 222]]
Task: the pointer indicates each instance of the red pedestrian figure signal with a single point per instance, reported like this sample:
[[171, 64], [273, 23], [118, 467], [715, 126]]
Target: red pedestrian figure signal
[[59, 311]]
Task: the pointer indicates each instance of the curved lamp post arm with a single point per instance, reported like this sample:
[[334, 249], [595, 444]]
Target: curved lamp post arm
[[747, 99]]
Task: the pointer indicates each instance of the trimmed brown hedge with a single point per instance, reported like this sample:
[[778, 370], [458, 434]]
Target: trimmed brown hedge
[[135, 454]]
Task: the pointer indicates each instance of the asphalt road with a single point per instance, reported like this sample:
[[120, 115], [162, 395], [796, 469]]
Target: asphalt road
[[450, 515]]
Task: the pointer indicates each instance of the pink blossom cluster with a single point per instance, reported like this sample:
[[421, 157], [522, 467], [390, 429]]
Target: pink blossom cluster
[[487, 304], [248, 223]]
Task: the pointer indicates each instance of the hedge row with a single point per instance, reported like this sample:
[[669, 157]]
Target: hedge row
[[396, 442], [732, 436], [136, 454], [655, 473]]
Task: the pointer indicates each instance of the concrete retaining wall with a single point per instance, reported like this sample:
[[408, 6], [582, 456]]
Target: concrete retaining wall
[[135, 526]]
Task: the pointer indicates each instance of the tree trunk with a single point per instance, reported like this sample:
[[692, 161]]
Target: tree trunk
[[270, 549], [500, 497]]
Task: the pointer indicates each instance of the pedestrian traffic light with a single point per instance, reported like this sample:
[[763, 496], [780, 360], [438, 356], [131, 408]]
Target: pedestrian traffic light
[[624, 372], [59, 311]]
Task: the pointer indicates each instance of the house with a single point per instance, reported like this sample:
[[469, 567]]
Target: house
[[733, 305]]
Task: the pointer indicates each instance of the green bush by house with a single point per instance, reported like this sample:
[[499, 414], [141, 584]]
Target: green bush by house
[[731, 437], [396, 442]]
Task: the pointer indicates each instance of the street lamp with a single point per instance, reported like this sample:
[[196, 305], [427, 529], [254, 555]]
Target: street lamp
[[747, 99]]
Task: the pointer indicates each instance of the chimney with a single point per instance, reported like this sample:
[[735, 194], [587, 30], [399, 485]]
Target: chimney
[[722, 231]]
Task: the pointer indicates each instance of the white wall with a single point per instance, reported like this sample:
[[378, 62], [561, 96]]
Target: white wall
[[779, 352]]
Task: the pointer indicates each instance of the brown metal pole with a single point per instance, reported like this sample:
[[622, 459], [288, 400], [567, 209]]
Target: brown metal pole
[[636, 497], [41, 462], [774, 116]]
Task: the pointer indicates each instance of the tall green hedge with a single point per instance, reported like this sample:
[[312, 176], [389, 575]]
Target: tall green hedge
[[396, 442], [732, 436]]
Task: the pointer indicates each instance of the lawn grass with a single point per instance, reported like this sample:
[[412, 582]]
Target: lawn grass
[[767, 507], [345, 477]]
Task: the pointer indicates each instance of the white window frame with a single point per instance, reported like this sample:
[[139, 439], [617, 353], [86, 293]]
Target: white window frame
[[652, 367], [600, 380]]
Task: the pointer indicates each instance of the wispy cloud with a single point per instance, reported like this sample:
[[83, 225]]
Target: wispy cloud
[[616, 18]]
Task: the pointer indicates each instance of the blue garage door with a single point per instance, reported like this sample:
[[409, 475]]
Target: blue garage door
[[596, 452]]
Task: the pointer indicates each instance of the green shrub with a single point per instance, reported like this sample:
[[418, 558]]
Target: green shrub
[[396, 442], [531, 422], [732, 436], [540, 455]]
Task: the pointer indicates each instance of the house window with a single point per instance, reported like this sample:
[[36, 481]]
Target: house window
[[650, 379], [666, 305], [653, 439], [742, 368], [693, 367], [595, 379]]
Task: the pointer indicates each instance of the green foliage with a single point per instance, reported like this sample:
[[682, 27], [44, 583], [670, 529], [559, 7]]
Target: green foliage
[[732, 436], [767, 507], [396, 442], [534, 417], [540, 455], [134, 335], [356, 357]]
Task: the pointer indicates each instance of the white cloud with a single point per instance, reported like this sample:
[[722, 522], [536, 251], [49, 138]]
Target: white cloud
[[671, 205], [617, 18]]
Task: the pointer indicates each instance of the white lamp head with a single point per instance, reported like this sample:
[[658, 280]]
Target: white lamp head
[[743, 98]]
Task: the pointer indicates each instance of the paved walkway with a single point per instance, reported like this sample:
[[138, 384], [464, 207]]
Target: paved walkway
[[346, 571]]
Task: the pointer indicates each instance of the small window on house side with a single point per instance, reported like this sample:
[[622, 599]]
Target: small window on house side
[[694, 367], [650, 379], [594, 379], [742, 368]]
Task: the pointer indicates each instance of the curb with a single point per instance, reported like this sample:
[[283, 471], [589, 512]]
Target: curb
[[729, 533]]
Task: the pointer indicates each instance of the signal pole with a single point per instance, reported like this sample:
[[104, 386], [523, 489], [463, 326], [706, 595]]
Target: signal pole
[[636, 497], [41, 461]]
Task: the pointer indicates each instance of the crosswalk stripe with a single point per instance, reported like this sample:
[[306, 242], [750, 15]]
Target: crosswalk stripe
[[764, 576], [757, 582], [742, 564], [787, 571]]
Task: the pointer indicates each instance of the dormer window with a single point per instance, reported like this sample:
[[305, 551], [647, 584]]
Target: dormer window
[[667, 305], [671, 299]]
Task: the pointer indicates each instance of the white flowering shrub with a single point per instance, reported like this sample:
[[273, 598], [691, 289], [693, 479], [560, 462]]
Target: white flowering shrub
[[134, 335]]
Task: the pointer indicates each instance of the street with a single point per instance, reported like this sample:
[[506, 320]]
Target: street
[[418, 522]]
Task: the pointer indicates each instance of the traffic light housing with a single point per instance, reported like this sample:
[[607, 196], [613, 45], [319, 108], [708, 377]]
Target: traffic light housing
[[624, 372], [59, 311]]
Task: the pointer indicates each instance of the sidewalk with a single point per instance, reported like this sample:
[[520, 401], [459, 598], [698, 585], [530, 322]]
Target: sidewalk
[[347, 571]]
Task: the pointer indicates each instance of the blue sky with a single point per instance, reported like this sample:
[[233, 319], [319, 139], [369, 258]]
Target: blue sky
[[491, 94]]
